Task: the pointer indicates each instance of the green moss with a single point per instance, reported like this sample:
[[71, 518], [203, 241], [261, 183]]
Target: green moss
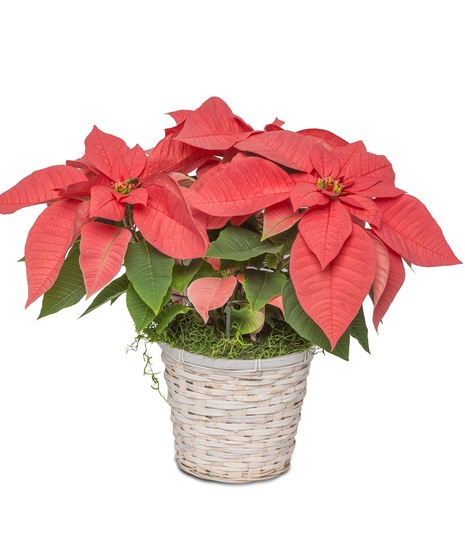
[[190, 333]]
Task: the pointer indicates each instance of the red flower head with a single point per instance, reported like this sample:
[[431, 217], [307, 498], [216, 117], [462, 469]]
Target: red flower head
[[104, 197], [353, 222], [319, 213], [120, 176], [335, 259]]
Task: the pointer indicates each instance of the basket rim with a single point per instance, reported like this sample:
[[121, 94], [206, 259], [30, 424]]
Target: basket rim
[[181, 355]]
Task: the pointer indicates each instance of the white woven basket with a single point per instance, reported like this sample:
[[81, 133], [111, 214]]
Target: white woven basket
[[235, 420]]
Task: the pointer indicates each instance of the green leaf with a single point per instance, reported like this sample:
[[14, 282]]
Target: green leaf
[[109, 293], [299, 320], [150, 273], [167, 315], [167, 298], [358, 330], [183, 275], [68, 288], [246, 320], [261, 286], [256, 262], [239, 244], [141, 314], [285, 240], [271, 260]]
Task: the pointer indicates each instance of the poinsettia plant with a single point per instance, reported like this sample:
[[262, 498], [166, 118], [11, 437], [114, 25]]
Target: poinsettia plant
[[245, 227]]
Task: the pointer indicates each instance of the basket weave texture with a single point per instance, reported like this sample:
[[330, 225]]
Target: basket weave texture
[[235, 420]]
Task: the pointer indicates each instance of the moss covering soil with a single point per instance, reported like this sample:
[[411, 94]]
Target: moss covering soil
[[190, 333]]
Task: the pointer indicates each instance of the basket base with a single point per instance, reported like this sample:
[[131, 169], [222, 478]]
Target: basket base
[[206, 475]]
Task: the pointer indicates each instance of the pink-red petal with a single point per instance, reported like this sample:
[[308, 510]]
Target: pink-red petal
[[103, 248], [276, 125], [366, 173], [281, 146], [382, 268], [105, 204], [325, 229], [213, 126], [104, 152], [410, 230], [326, 138], [324, 161], [131, 164], [47, 244], [307, 194], [332, 297], [242, 188], [170, 155], [179, 116], [209, 293], [361, 207], [41, 186], [394, 282], [278, 218], [167, 222], [278, 302]]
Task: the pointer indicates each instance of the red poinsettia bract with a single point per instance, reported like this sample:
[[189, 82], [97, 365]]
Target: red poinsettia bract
[[91, 197], [331, 209], [354, 225]]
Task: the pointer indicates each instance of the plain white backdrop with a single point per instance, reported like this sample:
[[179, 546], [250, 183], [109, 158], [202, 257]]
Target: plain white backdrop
[[87, 460]]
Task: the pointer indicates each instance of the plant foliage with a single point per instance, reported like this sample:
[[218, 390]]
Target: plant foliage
[[242, 228]]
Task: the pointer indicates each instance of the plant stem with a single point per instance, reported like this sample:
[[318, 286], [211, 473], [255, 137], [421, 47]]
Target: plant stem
[[130, 225], [228, 320]]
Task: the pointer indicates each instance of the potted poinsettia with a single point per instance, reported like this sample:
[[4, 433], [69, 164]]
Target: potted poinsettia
[[240, 251]]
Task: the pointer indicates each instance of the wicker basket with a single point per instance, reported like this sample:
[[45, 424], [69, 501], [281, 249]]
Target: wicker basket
[[235, 420]]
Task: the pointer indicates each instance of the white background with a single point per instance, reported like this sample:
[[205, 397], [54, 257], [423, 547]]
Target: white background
[[87, 461]]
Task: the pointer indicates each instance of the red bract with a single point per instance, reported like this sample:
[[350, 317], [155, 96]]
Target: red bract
[[110, 182], [287, 148], [337, 192], [278, 218], [209, 293], [41, 186], [348, 184], [198, 137], [302, 227], [124, 176], [241, 188], [348, 173], [333, 295], [281, 146], [47, 244], [408, 228], [102, 253], [213, 126]]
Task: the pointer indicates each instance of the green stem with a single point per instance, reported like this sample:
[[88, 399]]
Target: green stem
[[130, 225], [284, 264], [228, 320]]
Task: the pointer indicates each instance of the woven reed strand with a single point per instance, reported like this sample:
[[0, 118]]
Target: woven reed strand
[[235, 421]]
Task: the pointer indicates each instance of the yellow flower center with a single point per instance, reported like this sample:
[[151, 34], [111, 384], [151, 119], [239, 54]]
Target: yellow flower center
[[126, 186], [330, 184]]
